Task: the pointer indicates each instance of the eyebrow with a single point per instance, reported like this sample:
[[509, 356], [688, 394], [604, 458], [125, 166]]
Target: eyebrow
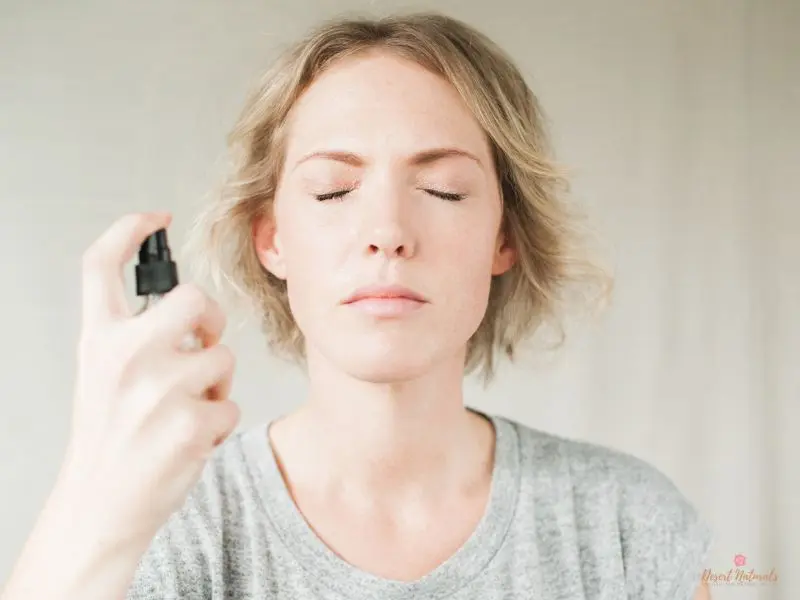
[[425, 157]]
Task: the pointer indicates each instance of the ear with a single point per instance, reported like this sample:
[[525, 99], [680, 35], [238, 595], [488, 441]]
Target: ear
[[504, 255], [268, 246]]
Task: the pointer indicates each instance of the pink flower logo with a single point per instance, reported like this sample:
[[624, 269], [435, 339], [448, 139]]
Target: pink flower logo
[[740, 560]]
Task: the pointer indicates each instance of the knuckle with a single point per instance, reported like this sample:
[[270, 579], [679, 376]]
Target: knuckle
[[227, 418], [187, 426], [225, 358], [129, 221], [234, 413]]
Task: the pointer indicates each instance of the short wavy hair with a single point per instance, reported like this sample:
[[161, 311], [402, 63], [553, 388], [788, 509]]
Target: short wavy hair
[[537, 219]]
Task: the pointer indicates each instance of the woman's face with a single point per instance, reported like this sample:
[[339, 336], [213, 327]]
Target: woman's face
[[388, 180]]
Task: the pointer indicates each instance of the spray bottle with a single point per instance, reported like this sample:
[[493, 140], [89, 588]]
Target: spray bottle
[[157, 274]]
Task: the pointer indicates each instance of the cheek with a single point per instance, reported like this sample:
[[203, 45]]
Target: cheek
[[312, 240], [304, 258], [312, 264], [467, 261], [466, 250]]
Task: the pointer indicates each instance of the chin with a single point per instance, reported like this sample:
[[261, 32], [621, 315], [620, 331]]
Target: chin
[[389, 366], [376, 370], [392, 353]]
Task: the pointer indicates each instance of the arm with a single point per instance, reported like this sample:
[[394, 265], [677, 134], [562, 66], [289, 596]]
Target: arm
[[144, 424], [68, 556]]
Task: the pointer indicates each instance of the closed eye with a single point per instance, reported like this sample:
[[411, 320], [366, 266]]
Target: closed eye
[[451, 196], [332, 195]]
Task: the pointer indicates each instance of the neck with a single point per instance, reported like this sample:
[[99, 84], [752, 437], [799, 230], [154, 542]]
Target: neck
[[395, 437]]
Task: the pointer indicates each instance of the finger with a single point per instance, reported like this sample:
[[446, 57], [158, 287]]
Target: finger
[[103, 261], [222, 418], [195, 428], [208, 368], [221, 390], [186, 310]]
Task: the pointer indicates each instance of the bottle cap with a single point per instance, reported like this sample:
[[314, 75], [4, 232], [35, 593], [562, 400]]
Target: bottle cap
[[156, 272]]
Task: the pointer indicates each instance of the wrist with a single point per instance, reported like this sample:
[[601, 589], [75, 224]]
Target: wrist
[[93, 505], [80, 550], [68, 557], [85, 520]]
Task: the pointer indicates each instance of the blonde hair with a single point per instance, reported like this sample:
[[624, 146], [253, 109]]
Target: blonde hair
[[537, 219]]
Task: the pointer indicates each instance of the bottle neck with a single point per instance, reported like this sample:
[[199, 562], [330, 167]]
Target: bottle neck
[[150, 300]]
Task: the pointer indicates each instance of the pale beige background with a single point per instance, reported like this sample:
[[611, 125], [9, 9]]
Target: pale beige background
[[680, 119]]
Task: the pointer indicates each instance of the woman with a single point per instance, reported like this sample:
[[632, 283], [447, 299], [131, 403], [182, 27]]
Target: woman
[[395, 217]]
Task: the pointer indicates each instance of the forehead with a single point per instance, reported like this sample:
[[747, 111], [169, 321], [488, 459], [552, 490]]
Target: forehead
[[381, 101]]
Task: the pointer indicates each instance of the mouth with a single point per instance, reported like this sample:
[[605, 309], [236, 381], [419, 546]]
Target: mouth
[[386, 307], [385, 293], [386, 301]]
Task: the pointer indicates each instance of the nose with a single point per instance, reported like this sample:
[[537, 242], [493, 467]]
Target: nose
[[390, 240], [388, 230]]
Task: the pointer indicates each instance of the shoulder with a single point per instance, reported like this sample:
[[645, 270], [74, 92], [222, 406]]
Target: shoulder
[[626, 508]]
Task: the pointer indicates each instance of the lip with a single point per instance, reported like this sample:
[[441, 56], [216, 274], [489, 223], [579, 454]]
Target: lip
[[385, 293], [386, 307]]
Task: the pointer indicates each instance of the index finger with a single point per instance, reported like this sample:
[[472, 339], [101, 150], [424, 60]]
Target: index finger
[[103, 261]]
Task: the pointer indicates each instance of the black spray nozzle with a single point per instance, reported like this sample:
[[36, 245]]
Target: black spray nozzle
[[156, 272], [155, 248]]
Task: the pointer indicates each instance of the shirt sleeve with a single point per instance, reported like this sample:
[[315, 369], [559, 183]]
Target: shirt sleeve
[[665, 540]]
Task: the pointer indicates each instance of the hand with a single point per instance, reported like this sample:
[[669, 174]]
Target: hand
[[147, 413]]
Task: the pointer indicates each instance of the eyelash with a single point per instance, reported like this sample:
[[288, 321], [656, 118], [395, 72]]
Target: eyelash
[[450, 196]]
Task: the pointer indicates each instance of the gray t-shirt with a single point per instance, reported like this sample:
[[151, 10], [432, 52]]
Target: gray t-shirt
[[566, 520]]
